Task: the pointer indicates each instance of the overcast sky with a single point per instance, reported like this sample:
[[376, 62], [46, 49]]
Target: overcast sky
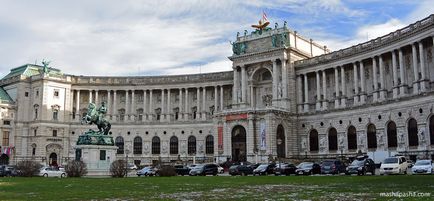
[[149, 37]]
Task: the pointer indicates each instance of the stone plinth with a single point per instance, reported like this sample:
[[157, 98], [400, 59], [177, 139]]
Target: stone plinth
[[98, 158]]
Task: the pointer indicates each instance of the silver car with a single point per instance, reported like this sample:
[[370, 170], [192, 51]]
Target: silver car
[[422, 167]]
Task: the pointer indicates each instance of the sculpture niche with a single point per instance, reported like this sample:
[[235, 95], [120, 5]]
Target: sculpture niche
[[97, 117]]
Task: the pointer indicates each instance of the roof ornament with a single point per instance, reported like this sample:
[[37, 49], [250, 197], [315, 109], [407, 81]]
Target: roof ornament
[[263, 22], [45, 64]]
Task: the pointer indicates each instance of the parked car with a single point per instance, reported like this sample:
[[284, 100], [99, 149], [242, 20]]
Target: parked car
[[220, 169], [394, 165], [8, 171], [410, 163], [182, 170], [51, 172], [308, 168], [284, 169], [264, 169], [423, 167], [204, 169], [146, 171], [132, 167], [332, 167], [240, 170], [361, 166]]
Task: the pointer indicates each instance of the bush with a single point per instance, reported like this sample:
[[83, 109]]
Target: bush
[[76, 168], [118, 168], [166, 171], [28, 168]]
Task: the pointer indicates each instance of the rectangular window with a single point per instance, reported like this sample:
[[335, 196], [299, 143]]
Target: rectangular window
[[7, 122], [5, 138], [54, 133], [26, 94], [102, 155], [55, 114], [33, 151]]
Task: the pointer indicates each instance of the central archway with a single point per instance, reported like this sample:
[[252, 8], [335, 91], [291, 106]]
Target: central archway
[[239, 148], [53, 159], [280, 141]]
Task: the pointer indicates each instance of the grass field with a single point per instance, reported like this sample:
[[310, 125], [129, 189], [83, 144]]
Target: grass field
[[217, 188]]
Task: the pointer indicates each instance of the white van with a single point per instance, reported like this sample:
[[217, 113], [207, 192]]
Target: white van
[[394, 165]]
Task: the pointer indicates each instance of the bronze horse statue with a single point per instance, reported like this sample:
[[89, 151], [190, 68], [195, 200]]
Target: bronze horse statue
[[96, 116]]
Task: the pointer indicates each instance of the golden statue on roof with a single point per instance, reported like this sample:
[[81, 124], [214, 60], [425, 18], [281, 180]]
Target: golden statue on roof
[[263, 22]]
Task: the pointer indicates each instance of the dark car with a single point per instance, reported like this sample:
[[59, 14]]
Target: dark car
[[204, 169], [8, 171], [361, 167], [264, 169], [240, 170], [332, 167], [284, 169], [181, 170], [308, 168]]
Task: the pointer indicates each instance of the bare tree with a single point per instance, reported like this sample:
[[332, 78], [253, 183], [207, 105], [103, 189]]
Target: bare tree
[[118, 168], [76, 168], [28, 168]]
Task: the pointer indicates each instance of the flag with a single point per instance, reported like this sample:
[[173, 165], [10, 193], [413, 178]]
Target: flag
[[264, 16]]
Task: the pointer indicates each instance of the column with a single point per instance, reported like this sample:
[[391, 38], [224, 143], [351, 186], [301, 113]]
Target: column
[[275, 79], [344, 93], [362, 83], [284, 79], [235, 87], [422, 67], [145, 109], [243, 84], [133, 105], [180, 110], [252, 97], [395, 75], [127, 105], [216, 94], [415, 70], [221, 98], [198, 111], [300, 93], [382, 86], [324, 91], [115, 109], [336, 87], [96, 97], [318, 92], [109, 102], [374, 74], [150, 111], [77, 105], [204, 103], [356, 85], [306, 95], [163, 110], [169, 107], [401, 73], [90, 96], [186, 110]]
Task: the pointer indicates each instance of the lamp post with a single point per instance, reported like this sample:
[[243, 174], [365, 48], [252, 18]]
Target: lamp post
[[127, 151]]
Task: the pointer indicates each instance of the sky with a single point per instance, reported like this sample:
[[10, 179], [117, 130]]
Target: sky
[[166, 37]]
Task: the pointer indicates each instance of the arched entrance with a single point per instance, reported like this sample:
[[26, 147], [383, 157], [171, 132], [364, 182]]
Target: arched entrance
[[239, 148], [53, 159], [4, 159], [280, 141]]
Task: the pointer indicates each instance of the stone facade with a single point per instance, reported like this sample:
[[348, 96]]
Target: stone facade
[[286, 97]]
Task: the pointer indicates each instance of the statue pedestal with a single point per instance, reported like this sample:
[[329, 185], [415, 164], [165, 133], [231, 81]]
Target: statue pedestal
[[98, 158]]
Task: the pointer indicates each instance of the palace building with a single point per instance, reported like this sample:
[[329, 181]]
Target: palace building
[[287, 97]]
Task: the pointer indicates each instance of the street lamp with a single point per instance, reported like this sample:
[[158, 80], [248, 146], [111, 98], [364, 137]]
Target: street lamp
[[127, 151]]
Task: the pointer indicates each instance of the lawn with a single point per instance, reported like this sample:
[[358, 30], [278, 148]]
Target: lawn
[[217, 188]]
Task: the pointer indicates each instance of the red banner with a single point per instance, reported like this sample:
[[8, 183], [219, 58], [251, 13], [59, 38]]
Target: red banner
[[236, 117], [220, 137]]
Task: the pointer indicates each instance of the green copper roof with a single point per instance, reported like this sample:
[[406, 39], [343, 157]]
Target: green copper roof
[[4, 96], [29, 70]]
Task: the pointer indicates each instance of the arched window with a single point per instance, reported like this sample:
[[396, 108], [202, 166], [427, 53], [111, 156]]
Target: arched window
[[313, 140], [155, 145], [209, 144], [352, 138], [392, 140], [333, 139], [137, 147], [431, 129], [173, 145], [280, 141], [120, 144], [191, 145], [413, 139], [372, 136]]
